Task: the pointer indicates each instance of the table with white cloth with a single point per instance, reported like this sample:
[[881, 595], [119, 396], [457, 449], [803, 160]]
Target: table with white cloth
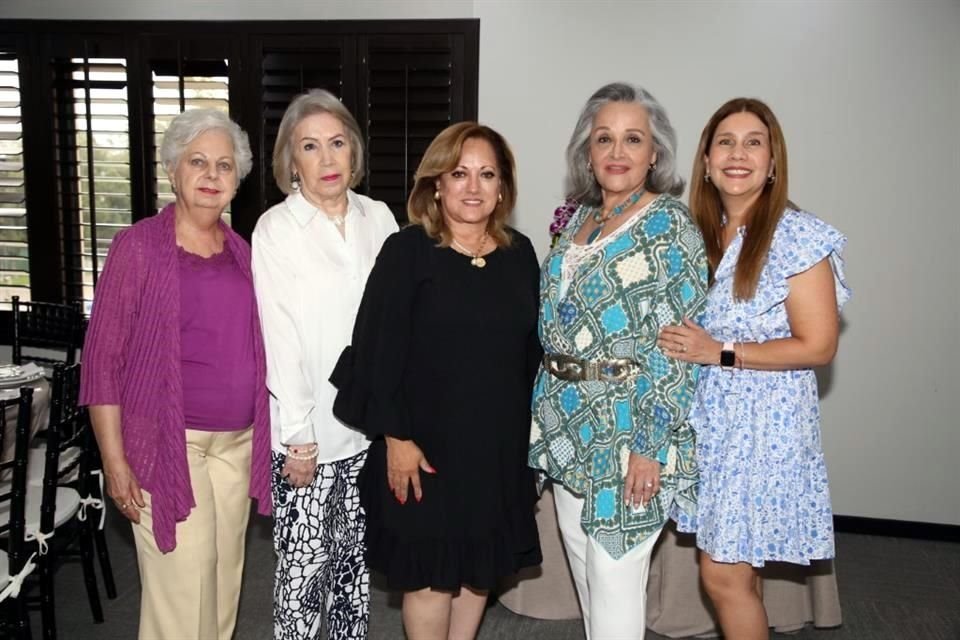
[[677, 607], [12, 379]]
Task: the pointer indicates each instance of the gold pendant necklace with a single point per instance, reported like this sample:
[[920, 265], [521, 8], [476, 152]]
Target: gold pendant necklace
[[477, 260]]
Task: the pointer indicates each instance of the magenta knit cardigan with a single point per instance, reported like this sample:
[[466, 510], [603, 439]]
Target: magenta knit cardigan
[[131, 357]]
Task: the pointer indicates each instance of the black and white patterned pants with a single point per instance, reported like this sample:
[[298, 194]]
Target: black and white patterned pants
[[318, 535]]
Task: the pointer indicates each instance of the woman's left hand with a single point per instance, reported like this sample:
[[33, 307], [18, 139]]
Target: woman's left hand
[[642, 481], [690, 343], [299, 473]]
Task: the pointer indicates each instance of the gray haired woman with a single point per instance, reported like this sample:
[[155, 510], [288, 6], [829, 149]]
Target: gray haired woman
[[174, 374], [312, 254], [609, 409]]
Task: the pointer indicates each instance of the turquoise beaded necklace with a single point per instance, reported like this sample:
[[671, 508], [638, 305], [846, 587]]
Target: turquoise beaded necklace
[[601, 219]]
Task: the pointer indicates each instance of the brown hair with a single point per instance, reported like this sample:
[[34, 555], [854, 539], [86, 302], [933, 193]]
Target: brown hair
[[763, 216], [442, 156]]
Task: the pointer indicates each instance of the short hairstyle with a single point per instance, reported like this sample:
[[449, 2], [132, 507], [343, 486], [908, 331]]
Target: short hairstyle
[[185, 128], [307, 104], [581, 184], [442, 156], [706, 207]]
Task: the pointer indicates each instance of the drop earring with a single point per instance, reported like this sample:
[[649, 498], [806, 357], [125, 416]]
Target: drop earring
[[295, 182]]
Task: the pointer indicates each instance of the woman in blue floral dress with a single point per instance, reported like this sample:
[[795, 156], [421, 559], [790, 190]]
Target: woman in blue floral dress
[[772, 314]]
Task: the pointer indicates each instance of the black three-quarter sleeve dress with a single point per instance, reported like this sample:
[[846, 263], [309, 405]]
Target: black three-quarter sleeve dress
[[445, 354]]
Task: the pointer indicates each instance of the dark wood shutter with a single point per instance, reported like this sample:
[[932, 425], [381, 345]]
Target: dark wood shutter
[[92, 148], [14, 249], [290, 67], [94, 99], [413, 88]]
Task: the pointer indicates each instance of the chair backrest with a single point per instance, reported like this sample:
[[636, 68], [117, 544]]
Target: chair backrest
[[16, 494], [69, 427], [46, 325]]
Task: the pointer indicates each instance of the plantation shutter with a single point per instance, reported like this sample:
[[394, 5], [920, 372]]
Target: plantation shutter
[[92, 147], [288, 69], [412, 90], [14, 253]]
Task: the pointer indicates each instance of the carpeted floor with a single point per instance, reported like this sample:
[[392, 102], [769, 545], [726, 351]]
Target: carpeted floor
[[890, 589]]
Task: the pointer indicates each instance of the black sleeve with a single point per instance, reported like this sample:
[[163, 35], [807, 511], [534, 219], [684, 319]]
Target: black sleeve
[[369, 374], [532, 274]]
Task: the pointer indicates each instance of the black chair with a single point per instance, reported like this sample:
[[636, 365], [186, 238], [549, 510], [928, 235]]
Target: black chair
[[66, 492], [15, 562], [46, 326]]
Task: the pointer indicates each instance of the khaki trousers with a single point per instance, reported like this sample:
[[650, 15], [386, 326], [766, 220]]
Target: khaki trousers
[[192, 592]]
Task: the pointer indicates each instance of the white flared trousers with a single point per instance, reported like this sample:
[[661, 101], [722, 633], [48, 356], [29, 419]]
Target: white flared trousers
[[612, 593]]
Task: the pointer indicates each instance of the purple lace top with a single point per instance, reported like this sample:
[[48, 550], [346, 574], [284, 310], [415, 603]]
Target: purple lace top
[[216, 342]]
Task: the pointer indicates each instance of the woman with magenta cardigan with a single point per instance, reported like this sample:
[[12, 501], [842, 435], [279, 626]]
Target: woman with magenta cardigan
[[174, 374]]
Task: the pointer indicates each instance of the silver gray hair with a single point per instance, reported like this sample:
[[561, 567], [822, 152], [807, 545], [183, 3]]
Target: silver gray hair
[[307, 104], [581, 184], [191, 123]]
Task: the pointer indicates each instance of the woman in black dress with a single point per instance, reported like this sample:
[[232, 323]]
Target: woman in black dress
[[440, 373]]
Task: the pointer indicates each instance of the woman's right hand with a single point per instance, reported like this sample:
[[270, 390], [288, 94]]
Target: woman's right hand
[[123, 489], [404, 462]]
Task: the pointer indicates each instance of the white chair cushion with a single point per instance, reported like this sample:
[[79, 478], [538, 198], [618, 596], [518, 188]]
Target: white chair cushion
[[68, 503], [37, 462]]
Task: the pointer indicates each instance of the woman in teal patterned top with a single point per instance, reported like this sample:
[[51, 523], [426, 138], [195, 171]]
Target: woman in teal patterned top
[[609, 409]]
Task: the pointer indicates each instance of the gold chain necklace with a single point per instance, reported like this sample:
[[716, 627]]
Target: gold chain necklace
[[477, 260]]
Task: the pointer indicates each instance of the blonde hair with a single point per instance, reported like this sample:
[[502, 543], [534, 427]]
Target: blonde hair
[[443, 156], [706, 206]]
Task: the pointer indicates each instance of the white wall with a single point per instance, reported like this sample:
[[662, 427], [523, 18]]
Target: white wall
[[867, 92]]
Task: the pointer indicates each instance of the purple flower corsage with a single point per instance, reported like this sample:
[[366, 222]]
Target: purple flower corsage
[[561, 217]]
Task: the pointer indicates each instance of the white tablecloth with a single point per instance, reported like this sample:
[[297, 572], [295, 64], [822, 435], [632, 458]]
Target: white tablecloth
[[39, 418]]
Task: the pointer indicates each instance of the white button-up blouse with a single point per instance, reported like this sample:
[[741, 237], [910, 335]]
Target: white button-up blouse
[[309, 280]]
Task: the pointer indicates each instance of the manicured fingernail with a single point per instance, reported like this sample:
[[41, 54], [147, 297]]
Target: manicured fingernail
[[418, 498]]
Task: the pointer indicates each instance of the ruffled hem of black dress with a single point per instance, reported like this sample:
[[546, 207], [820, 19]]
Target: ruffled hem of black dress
[[412, 564]]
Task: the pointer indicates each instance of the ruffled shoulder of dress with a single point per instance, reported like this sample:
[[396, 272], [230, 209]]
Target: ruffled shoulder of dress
[[800, 241]]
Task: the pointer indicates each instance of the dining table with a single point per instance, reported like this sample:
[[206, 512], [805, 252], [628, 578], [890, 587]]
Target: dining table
[[677, 607]]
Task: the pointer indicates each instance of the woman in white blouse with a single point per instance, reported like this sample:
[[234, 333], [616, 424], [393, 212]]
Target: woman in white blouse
[[312, 254]]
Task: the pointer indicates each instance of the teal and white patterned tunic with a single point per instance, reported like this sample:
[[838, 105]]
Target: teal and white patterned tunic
[[650, 273]]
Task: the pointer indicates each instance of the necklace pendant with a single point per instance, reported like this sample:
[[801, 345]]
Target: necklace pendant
[[594, 235], [479, 262]]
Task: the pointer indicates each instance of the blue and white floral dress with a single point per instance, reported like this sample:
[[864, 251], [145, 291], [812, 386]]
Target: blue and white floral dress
[[763, 492]]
